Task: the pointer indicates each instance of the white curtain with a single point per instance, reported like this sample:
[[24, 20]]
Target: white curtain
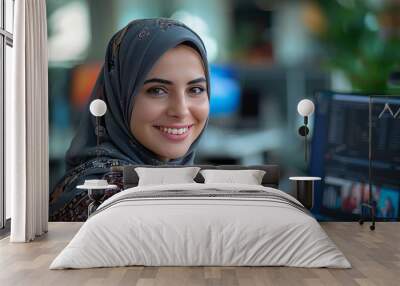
[[27, 170]]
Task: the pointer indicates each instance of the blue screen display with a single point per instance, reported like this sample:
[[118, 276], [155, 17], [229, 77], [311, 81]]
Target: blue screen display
[[225, 91]]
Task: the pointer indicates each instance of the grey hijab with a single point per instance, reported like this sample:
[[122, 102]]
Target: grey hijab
[[131, 53]]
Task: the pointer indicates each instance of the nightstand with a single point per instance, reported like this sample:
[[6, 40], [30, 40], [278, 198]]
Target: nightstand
[[96, 190], [305, 190]]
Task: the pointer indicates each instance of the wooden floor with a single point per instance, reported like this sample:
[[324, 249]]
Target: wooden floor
[[374, 255]]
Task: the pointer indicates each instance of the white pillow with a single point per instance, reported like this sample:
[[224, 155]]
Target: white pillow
[[249, 177], [162, 176]]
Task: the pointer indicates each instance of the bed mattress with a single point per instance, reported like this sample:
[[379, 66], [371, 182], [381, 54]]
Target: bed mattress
[[201, 225]]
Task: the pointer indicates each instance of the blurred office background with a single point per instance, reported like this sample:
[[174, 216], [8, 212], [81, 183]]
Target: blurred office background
[[265, 56]]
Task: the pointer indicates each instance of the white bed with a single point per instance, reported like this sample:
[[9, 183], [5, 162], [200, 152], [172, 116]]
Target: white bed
[[201, 224]]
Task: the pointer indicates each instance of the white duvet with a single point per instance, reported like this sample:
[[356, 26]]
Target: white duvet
[[207, 230]]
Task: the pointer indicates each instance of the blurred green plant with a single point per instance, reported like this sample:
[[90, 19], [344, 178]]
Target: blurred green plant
[[361, 39]]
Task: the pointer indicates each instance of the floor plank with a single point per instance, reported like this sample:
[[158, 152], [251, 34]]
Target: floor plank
[[374, 255]]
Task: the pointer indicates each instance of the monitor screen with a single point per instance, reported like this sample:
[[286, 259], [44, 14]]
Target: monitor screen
[[340, 155], [225, 91]]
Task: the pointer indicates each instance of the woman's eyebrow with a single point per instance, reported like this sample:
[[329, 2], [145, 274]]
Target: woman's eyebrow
[[164, 81], [159, 80], [197, 80]]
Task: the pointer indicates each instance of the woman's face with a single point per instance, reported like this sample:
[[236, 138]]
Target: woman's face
[[172, 107]]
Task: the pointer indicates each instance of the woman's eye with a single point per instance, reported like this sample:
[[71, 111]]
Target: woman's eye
[[197, 90], [156, 91]]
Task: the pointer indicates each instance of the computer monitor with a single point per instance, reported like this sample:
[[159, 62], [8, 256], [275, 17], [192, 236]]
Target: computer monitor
[[340, 155], [225, 91]]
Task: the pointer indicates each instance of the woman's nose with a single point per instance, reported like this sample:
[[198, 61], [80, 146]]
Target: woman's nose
[[178, 106]]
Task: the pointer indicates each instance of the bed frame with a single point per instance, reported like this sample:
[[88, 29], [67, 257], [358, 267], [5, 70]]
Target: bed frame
[[270, 179]]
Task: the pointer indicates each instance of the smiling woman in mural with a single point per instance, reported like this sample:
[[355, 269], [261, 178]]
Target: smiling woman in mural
[[171, 108], [155, 82]]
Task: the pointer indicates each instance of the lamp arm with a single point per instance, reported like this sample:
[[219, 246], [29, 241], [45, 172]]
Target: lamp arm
[[98, 137], [305, 147], [305, 138]]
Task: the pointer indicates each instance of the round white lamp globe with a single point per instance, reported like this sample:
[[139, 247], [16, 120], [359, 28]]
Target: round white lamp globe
[[98, 107], [305, 107]]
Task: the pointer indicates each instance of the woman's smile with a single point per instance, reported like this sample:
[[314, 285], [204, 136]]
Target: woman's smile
[[174, 132]]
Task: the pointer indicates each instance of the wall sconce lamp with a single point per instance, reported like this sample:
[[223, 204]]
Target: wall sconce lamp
[[98, 108], [305, 108]]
